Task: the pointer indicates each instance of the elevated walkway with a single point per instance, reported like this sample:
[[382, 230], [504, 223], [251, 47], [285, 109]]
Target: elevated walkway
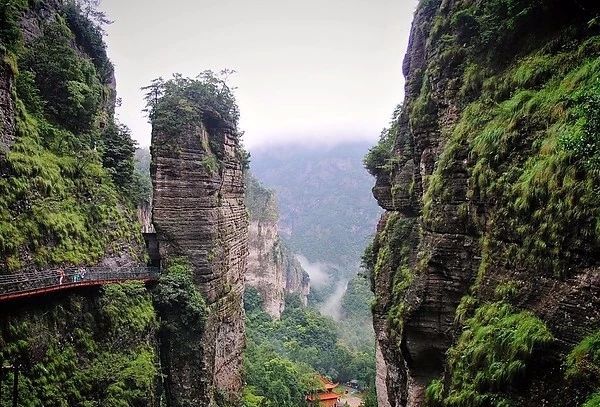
[[23, 285]]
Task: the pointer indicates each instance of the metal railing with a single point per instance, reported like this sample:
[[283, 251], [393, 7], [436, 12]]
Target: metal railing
[[24, 284]]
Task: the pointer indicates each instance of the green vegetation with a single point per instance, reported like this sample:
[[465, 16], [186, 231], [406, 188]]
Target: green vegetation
[[283, 357], [181, 307], [583, 366], [529, 128], [67, 83], [593, 401], [182, 103], [10, 31], [118, 157], [274, 381], [87, 22], [390, 253], [142, 184], [183, 313], [83, 353], [511, 91], [260, 201], [355, 327], [380, 157], [65, 182], [492, 353]]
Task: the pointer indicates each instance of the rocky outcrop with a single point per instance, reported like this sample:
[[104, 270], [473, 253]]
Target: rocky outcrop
[[7, 108], [471, 207], [297, 280], [272, 268], [144, 215], [199, 214]]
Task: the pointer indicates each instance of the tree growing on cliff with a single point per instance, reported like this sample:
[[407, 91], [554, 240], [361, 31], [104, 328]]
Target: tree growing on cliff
[[118, 149], [175, 103]]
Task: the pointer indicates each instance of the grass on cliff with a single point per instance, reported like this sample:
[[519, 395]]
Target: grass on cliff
[[492, 353], [532, 141], [63, 185], [528, 132], [583, 366], [389, 254]]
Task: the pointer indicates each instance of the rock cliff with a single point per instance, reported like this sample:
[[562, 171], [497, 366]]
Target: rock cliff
[[272, 268], [199, 214], [63, 203], [488, 175], [7, 108]]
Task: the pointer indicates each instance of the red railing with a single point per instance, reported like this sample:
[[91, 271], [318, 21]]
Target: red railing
[[13, 286]]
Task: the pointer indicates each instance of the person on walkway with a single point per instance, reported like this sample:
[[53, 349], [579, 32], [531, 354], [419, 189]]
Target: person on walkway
[[61, 276]]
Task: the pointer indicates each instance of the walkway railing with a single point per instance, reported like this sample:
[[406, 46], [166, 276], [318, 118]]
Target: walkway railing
[[14, 286]]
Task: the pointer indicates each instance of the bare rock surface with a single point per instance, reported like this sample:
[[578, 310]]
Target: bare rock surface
[[272, 268], [199, 213]]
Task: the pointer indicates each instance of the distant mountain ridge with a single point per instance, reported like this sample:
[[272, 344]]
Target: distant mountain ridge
[[324, 194]]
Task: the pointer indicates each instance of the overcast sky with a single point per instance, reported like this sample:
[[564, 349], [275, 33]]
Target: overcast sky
[[308, 70]]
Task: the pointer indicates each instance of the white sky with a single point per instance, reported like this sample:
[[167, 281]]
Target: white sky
[[308, 70]]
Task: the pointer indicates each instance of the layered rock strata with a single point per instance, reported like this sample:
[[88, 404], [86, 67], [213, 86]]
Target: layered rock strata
[[471, 207], [199, 214]]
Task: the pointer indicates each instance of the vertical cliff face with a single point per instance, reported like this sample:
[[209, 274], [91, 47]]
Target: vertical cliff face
[[487, 174], [297, 280], [272, 268], [63, 203], [199, 214]]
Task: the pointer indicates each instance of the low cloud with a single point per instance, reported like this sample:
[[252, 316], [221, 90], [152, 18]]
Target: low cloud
[[333, 305], [318, 272]]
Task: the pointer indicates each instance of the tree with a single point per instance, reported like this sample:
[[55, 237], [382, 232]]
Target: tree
[[67, 82], [180, 101], [117, 156]]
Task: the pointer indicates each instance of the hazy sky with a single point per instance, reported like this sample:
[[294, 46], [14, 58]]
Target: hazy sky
[[309, 70]]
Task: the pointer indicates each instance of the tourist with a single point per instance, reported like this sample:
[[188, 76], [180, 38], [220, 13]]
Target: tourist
[[61, 276]]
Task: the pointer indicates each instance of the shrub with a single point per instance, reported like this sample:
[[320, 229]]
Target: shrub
[[492, 352], [180, 103], [379, 157], [68, 82], [584, 360], [89, 35]]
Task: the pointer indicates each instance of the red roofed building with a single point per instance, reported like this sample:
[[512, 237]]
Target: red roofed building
[[326, 397]]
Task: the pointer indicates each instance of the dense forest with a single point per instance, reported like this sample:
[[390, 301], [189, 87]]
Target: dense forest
[[283, 357]]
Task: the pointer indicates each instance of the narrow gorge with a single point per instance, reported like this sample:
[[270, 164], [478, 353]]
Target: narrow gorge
[[167, 274]]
